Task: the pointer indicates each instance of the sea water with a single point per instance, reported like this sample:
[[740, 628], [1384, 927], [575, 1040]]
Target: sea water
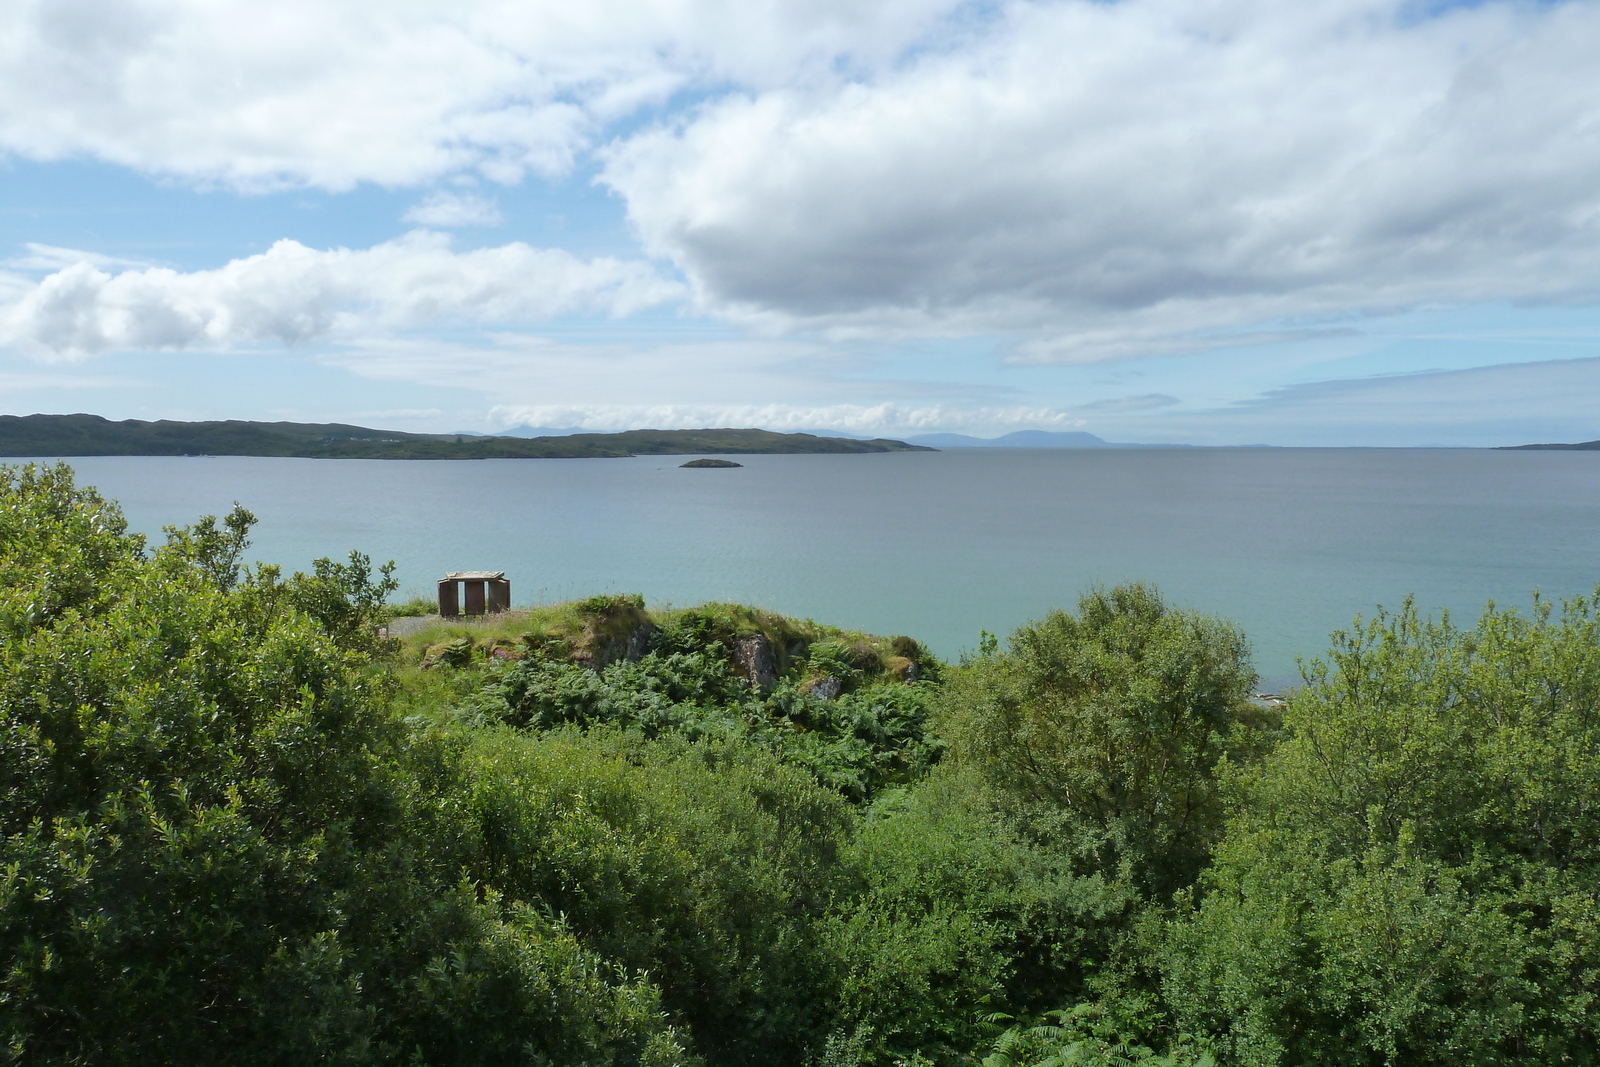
[[1290, 543]]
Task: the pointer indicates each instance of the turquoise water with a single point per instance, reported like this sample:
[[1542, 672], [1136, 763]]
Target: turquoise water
[[1291, 543]]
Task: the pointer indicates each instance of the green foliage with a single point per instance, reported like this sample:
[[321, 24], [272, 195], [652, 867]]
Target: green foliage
[[412, 608], [63, 550], [1117, 718], [216, 554], [957, 913], [216, 843], [707, 865], [1411, 877], [859, 743], [235, 826], [1096, 1034]]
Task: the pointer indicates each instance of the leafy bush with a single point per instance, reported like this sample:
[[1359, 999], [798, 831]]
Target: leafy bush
[[706, 865], [1096, 1034], [216, 843], [233, 827], [1118, 719], [1411, 877], [957, 913], [858, 743], [413, 608]]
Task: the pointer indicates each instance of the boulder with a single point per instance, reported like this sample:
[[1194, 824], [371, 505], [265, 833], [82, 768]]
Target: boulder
[[756, 660], [456, 653], [902, 669], [615, 627], [825, 687], [503, 650]]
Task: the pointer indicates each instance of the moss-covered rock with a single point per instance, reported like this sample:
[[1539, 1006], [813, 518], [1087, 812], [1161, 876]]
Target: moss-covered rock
[[901, 669], [457, 652]]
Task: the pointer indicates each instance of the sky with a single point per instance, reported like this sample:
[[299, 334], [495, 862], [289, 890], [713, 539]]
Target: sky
[[1220, 222]]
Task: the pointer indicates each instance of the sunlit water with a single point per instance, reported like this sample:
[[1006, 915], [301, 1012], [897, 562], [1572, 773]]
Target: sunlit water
[[1291, 543]]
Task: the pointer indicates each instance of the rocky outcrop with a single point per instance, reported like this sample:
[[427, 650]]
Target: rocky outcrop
[[825, 687], [757, 661], [615, 627], [453, 653], [901, 668], [604, 647]]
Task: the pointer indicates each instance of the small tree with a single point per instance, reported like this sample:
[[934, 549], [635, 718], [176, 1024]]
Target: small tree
[[1410, 877], [1119, 716], [218, 843]]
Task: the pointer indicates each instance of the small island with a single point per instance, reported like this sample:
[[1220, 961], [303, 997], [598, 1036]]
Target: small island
[[711, 463]]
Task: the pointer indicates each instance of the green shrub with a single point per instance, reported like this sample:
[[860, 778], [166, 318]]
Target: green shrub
[[216, 841], [415, 607], [1110, 1033], [860, 743], [959, 913], [706, 865], [1411, 877], [1118, 719]]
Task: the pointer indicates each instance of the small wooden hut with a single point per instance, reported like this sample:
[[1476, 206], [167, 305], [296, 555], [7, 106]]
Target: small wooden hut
[[473, 593]]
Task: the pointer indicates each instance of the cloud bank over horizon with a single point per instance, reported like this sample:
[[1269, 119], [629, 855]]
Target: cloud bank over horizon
[[295, 294], [1031, 210]]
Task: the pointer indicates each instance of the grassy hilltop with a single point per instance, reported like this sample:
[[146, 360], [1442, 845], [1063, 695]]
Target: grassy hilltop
[[239, 824], [91, 435]]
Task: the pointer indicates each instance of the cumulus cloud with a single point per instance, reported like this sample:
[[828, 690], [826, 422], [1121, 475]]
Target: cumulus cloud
[[707, 383], [445, 210], [292, 293], [854, 418], [330, 93], [1121, 179]]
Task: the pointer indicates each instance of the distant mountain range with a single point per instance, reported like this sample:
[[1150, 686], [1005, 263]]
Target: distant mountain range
[[91, 435], [1026, 439], [542, 431]]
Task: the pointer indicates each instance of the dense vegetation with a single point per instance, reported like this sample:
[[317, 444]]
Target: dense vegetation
[[91, 435], [236, 824]]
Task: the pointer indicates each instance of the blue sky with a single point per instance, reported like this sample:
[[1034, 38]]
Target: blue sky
[[1209, 221]]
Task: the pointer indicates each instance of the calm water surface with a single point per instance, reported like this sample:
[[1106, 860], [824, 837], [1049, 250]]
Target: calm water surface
[[1292, 543]]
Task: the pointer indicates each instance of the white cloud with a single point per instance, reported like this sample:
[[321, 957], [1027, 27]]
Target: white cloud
[[42, 257], [447, 210], [708, 383], [330, 93], [292, 293], [855, 418], [1503, 404], [1119, 179]]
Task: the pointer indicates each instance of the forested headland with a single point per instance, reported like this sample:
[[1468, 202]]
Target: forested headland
[[241, 825], [91, 435]]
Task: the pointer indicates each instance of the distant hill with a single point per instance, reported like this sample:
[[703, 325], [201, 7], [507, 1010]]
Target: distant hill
[[91, 435], [1581, 446], [1019, 439], [539, 431]]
